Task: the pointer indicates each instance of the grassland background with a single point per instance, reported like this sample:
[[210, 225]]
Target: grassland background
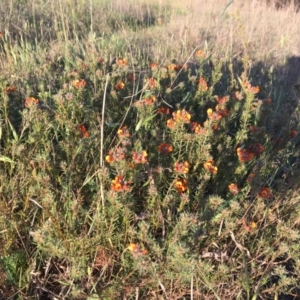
[[41, 42]]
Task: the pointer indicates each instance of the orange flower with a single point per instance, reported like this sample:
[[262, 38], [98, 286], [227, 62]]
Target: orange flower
[[30, 101], [238, 95], [150, 100], [249, 88], [223, 112], [255, 129], [120, 85], [121, 62], [215, 127], [233, 188], [79, 83], [170, 123], [165, 148], [172, 67], [119, 185], [250, 178], [253, 225], [210, 166], [222, 100], [213, 115], [196, 127], [153, 66], [199, 53], [249, 227], [109, 158], [83, 130], [181, 167], [181, 116], [10, 89], [163, 110], [147, 101], [139, 157], [123, 132], [152, 83], [135, 249], [181, 185], [256, 149], [181, 67], [202, 85], [116, 154], [244, 155], [265, 193], [293, 133]]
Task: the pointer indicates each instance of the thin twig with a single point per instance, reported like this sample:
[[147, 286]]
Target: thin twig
[[102, 141]]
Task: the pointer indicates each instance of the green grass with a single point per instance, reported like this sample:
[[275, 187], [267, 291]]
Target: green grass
[[148, 151]]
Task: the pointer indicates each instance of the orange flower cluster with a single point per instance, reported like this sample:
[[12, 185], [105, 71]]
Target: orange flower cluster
[[165, 148], [163, 110], [210, 167], [121, 62], [196, 127], [181, 185], [250, 88], [140, 157], [10, 89], [136, 250], [117, 154], [179, 116], [253, 150], [174, 67], [265, 193], [222, 100], [120, 85], [119, 185], [123, 132], [223, 112], [151, 83], [181, 167], [238, 95], [78, 83], [82, 128], [31, 101], [244, 155], [147, 101], [249, 227], [234, 189], [202, 85], [170, 123], [213, 115]]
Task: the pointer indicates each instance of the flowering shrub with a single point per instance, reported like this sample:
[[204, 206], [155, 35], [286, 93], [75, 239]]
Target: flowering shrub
[[125, 176]]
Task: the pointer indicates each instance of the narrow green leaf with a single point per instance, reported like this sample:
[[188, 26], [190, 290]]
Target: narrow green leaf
[[16, 138], [138, 125], [6, 159]]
